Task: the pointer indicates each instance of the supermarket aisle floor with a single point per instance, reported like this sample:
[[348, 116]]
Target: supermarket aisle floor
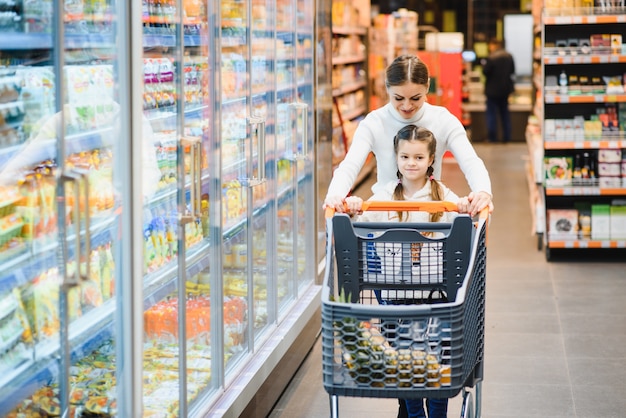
[[555, 339]]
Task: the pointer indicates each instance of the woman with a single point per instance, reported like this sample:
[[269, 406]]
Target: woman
[[407, 82]]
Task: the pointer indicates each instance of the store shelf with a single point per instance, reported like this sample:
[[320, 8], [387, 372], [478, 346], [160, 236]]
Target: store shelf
[[606, 143], [349, 30], [164, 282], [158, 40], [349, 59], [573, 47], [354, 113], [584, 59], [551, 98], [588, 244], [28, 41], [38, 258], [35, 151], [584, 191], [582, 19], [349, 88]]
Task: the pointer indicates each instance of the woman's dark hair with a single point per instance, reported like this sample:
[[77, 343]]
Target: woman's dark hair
[[416, 133], [406, 69]]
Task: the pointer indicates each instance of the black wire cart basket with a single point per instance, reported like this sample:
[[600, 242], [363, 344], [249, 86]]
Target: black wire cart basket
[[403, 307]]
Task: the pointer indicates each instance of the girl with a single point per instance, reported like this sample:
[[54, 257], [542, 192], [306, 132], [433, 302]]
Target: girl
[[407, 82], [415, 150]]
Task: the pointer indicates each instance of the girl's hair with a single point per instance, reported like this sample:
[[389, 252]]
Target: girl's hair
[[406, 69], [415, 133]]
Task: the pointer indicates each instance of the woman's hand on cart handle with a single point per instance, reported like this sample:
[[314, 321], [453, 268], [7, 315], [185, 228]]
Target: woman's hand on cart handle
[[350, 205], [336, 203], [479, 201], [353, 205], [463, 205]]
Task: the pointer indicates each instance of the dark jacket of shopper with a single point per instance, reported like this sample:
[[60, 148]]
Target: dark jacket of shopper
[[499, 69]]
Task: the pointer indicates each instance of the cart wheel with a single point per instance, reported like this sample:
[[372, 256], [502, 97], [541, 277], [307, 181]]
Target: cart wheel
[[467, 410], [548, 253]]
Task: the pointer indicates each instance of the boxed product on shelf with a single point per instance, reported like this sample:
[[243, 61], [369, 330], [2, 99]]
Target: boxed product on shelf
[[558, 171], [617, 223], [609, 182], [592, 129], [600, 221], [609, 155], [563, 224], [609, 168]]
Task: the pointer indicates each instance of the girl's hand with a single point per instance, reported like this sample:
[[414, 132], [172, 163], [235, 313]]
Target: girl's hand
[[354, 205], [479, 201], [335, 202], [463, 205]]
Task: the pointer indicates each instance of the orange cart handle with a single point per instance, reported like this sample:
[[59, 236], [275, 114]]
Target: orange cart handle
[[405, 205]]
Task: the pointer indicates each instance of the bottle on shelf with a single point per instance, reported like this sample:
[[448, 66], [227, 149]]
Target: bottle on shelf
[[586, 167], [577, 172], [592, 170], [563, 82]]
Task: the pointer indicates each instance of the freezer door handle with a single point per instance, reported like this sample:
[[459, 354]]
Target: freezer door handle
[[195, 176], [77, 178], [257, 128]]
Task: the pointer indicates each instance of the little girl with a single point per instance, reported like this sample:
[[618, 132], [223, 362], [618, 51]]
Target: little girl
[[415, 154]]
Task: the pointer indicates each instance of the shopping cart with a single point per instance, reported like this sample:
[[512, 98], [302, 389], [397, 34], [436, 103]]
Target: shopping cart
[[403, 307]]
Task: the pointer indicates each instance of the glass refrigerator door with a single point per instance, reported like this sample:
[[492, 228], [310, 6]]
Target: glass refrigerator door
[[246, 114], [304, 134], [286, 148], [260, 153], [60, 206], [177, 106], [294, 70]]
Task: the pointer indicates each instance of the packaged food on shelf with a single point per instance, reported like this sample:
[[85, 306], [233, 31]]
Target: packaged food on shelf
[[600, 221], [558, 171], [563, 224]]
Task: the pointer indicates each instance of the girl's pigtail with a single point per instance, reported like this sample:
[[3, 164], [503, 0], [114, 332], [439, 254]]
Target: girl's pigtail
[[398, 194], [436, 193]]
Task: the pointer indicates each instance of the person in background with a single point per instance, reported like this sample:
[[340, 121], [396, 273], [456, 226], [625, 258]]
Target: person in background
[[415, 150], [499, 71], [407, 81]]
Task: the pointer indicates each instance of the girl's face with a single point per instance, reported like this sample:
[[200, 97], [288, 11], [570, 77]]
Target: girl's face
[[413, 159], [408, 98]]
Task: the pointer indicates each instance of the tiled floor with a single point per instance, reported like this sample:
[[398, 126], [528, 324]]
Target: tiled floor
[[555, 339]]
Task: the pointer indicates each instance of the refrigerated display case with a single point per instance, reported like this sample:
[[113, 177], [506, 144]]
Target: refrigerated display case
[[157, 204]]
